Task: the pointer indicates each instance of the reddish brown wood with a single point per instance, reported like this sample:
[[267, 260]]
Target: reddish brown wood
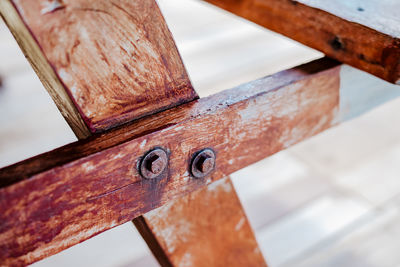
[[364, 34], [116, 59], [205, 228], [68, 203]]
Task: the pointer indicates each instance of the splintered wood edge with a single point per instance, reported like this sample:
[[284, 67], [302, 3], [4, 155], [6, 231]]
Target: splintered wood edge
[[43, 69]]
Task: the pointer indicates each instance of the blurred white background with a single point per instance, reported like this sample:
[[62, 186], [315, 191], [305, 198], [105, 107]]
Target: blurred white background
[[333, 200]]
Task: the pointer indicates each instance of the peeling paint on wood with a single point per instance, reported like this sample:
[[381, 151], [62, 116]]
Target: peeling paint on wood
[[116, 60], [93, 185], [364, 34], [206, 228]]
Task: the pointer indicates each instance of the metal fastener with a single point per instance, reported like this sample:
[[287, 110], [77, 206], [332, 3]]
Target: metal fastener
[[203, 163], [153, 163]]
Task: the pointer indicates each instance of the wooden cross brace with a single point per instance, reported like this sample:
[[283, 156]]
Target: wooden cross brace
[[115, 73]]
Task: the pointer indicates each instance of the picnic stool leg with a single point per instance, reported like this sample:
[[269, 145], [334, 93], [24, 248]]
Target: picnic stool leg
[[206, 228]]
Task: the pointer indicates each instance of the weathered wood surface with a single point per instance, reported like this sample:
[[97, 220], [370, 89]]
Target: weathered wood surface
[[87, 194], [364, 34], [205, 228], [111, 61], [150, 75]]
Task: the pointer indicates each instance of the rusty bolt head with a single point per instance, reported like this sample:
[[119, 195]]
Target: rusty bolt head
[[153, 163], [203, 163], [156, 165]]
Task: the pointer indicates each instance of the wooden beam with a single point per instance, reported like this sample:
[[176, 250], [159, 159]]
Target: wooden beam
[[66, 196], [364, 34], [69, 51], [73, 200], [112, 63], [104, 63], [163, 120], [44, 70], [205, 228]]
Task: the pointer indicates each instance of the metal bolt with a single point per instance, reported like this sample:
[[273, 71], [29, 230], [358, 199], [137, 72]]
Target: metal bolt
[[203, 163], [153, 163]]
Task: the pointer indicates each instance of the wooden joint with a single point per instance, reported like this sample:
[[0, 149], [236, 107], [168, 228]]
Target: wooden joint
[[65, 196]]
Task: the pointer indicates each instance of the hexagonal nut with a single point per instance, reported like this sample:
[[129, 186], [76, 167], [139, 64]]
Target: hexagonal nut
[[203, 163], [153, 163]]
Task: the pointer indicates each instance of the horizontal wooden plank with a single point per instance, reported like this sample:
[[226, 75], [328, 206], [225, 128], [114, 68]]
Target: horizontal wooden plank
[[159, 121], [77, 196], [206, 228], [364, 34], [104, 63]]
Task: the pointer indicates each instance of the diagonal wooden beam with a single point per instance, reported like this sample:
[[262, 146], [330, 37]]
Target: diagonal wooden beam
[[364, 34], [186, 114], [68, 195], [74, 197], [104, 63], [205, 228], [82, 194]]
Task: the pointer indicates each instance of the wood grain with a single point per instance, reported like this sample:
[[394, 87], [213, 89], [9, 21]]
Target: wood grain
[[146, 71], [114, 61], [205, 228], [49, 211], [45, 72], [362, 34]]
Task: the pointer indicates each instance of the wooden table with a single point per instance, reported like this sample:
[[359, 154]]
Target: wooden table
[[117, 78]]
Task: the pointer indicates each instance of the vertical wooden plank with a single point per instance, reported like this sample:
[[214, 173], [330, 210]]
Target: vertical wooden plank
[[104, 63], [205, 228]]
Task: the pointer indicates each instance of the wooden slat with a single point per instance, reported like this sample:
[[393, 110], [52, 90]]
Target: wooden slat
[[205, 228], [364, 34], [59, 207], [104, 63], [163, 120]]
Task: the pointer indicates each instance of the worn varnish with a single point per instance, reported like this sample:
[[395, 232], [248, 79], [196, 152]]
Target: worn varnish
[[113, 61], [159, 121], [152, 77], [205, 228], [364, 34], [73, 200]]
